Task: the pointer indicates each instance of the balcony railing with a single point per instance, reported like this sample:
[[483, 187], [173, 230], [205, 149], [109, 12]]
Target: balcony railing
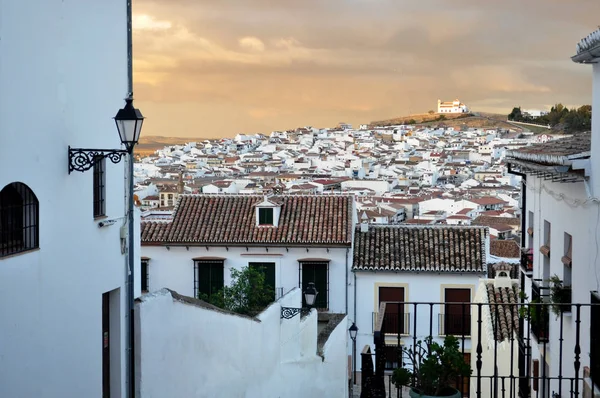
[[454, 324], [394, 322], [506, 357]]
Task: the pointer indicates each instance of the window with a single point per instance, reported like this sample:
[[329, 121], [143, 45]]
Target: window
[[268, 270], [145, 278], [99, 187], [19, 214], [208, 277], [457, 317], [316, 272], [393, 320], [539, 317], [265, 216]]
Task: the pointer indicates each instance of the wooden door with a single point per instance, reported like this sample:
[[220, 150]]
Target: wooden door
[[105, 346]]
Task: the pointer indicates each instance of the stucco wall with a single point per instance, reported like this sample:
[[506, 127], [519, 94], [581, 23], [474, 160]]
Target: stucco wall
[[185, 350], [580, 223], [63, 76], [173, 268], [418, 287]]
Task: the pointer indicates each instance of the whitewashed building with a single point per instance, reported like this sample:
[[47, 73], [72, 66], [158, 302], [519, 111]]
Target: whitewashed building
[[560, 191], [294, 239], [401, 265], [452, 107], [64, 74]]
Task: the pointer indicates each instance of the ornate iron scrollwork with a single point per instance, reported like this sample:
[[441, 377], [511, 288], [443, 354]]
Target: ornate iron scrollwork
[[289, 313], [84, 159]]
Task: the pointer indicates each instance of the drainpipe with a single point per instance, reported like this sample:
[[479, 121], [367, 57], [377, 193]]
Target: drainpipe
[[354, 295], [347, 249]]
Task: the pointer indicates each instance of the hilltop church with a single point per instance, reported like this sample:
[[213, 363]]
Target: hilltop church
[[452, 107]]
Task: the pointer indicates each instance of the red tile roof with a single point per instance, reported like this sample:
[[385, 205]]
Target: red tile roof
[[421, 248], [230, 219]]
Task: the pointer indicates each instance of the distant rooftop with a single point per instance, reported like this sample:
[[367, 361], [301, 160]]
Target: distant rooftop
[[588, 48]]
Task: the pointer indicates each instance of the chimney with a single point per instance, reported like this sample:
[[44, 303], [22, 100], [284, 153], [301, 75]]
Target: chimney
[[502, 276], [180, 184], [364, 227]]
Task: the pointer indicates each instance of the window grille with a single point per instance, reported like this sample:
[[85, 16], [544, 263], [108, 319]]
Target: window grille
[[99, 187], [19, 215]]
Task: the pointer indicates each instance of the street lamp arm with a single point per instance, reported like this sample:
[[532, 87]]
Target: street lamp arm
[[81, 159], [290, 312]]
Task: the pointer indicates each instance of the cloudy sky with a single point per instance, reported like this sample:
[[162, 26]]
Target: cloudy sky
[[214, 68]]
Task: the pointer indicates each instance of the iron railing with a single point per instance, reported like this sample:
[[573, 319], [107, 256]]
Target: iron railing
[[394, 322], [506, 358]]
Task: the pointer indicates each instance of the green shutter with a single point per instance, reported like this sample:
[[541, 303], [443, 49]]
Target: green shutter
[[210, 277], [316, 273], [268, 270]]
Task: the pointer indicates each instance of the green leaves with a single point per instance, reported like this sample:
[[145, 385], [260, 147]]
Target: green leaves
[[432, 368], [248, 293]]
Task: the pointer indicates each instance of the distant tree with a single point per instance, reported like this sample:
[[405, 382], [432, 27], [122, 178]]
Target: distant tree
[[411, 121], [442, 117], [248, 293], [431, 112], [516, 115]]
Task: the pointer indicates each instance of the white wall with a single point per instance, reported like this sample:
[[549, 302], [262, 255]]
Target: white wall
[[418, 287], [580, 223], [501, 356], [63, 76], [174, 268], [186, 350]]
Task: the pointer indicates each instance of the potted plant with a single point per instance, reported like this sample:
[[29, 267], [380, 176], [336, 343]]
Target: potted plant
[[432, 369], [560, 295]]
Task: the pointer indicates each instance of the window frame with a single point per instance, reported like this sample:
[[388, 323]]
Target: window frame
[[19, 219], [99, 187], [447, 326]]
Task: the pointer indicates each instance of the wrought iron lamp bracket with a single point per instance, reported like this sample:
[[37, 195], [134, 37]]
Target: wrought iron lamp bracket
[[81, 159], [289, 312]]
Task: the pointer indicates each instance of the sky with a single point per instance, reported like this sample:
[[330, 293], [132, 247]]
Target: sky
[[216, 68]]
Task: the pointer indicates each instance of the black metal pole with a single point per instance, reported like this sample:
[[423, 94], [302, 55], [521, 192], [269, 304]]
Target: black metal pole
[[354, 361], [130, 279]]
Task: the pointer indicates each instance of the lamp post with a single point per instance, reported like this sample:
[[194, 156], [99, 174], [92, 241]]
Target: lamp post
[[310, 296], [353, 332], [129, 122]]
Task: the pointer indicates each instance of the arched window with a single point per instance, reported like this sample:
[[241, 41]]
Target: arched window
[[19, 214]]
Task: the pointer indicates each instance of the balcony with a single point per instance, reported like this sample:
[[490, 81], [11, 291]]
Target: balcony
[[538, 314], [503, 350], [527, 259]]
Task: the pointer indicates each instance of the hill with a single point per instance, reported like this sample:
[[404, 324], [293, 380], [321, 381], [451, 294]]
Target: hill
[[457, 120]]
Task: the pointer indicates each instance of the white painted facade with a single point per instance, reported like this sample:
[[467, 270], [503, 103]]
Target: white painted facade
[[173, 267], [185, 350], [418, 287], [63, 76], [503, 354]]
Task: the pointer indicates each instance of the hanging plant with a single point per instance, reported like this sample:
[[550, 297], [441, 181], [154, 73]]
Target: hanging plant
[[560, 295]]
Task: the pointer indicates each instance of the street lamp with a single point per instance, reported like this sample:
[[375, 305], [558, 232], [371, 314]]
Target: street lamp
[[129, 122], [353, 332], [129, 126], [310, 296]]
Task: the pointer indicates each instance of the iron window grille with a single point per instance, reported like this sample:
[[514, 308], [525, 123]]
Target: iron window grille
[[208, 277], [145, 280], [99, 187], [19, 215]]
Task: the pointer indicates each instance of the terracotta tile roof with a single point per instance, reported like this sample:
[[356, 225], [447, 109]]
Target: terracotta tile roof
[[491, 221], [505, 248], [555, 152], [230, 219], [420, 248], [507, 316]]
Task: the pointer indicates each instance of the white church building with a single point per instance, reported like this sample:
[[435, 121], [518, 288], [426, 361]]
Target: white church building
[[452, 107]]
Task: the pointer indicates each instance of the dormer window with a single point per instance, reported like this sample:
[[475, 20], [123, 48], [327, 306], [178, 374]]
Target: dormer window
[[267, 212], [265, 216]]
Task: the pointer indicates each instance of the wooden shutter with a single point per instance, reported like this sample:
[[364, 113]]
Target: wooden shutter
[[268, 270], [316, 272], [393, 321], [457, 317]]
